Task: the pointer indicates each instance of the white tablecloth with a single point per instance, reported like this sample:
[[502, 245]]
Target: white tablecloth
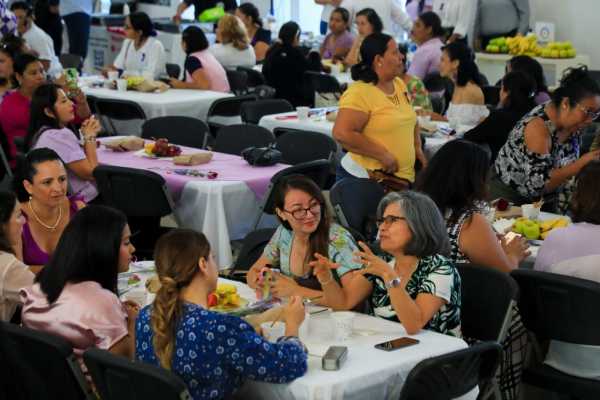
[[368, 373]]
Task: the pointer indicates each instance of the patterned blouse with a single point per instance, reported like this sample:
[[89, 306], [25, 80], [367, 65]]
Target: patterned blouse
[[419, 96], [527, 172], [454, 228], [435, 275], [214, 353], [341, 250]]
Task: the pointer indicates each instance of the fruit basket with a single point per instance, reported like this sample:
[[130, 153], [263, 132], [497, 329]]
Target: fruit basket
[[161, 148]]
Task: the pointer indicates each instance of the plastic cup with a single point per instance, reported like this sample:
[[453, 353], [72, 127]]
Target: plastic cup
[[302, 113], [121, 85], [342, 322], [336, 69], [530, 211], [273, 331], [138, 296], [113, 75]]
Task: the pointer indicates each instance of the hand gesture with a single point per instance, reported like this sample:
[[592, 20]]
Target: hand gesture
[[293, 313], [389, 163], [322, 267], [283, 286], [132, 309], [515, 247], [90, 127], [374, 265]]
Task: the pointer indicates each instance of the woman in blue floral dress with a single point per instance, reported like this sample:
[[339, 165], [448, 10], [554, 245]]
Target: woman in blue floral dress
[[213, 353], [305, 236]]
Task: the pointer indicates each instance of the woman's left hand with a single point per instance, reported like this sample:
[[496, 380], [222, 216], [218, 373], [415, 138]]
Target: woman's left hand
[[322, 268], [77, 95], [374, 265], [283, 286]]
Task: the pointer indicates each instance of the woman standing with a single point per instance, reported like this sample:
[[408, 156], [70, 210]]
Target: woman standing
[[426, 33], [260, 38], [376, 122]]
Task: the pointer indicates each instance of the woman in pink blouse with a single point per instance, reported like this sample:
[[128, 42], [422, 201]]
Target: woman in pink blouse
[[426, 33], [75, 297], [202, 69]]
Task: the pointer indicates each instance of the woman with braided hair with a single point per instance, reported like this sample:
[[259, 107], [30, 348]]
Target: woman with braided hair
[[213, 353]]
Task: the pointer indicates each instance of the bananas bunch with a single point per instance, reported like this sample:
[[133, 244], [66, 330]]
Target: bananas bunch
[[523, 45], [548, 225], [133, 81]]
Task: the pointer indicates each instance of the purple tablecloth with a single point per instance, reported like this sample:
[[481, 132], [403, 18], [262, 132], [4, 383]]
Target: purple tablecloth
[[228, 167]]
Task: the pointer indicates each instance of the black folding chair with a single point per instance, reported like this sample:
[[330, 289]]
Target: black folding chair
[[255, 78], [120, 110], [298, 146], [452, 375], [253, 111], [39, 365], [173, 70], [358, 216], [142, 195], [318, 170], [184, 131], [117, 378], [224, 109], [559, 307], [323, 83], [232, 139], [252, 248], [238, 81]]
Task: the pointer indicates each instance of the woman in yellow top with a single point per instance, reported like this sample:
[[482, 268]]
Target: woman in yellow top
[[376, 122]]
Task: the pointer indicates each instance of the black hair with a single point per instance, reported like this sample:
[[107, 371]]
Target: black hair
[[403, 49], [27, 168], [585, 202], [88, 250], [250, 10], [456, 186], [521, 92], [8, 202], [374, 45], [194, 39], [344, 14], [44, 97], [12, 46], [140, 21], [433, 21], [467, 69], [20, 64], [576, 84], [21, 5], [531, 67], [288, 33], [373, 19]]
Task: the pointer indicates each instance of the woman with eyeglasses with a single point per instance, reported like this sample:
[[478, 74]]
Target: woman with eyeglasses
[[307, 241], [541, 155]]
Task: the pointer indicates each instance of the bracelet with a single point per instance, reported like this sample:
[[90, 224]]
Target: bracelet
[[328, 282], [90, 139]]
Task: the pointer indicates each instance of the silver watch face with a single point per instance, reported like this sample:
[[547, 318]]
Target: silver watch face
[[394, 283]]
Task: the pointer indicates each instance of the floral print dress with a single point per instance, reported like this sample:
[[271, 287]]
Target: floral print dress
[[214, 353], [419, 96], [434, 275]]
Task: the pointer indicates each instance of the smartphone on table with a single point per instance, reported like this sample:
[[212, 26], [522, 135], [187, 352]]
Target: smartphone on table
[[396, 344]]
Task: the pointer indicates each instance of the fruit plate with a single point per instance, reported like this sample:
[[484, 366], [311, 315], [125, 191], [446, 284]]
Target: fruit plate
[[142, 153], [228, 309]]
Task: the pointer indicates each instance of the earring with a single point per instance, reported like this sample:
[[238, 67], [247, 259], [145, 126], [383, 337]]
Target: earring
[[379, 64]]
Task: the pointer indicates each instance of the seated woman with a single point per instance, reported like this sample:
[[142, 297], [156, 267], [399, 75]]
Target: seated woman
[[75, 296], [15, 275], [367, 22], [41, 185], [467, 107], [141, 53], [541, 154], [306, 237], [338, 42], [516, 99], [427, 33], [533, 68], [420, 287], [459, 191], [233, 48], [285, 65], [376, 122], [10, 48], [419, 96], [52, 127], [260, 38], [213, 353], [202, 70]]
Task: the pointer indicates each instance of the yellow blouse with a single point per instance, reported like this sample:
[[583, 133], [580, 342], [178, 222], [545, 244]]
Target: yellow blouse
[[392, 122]]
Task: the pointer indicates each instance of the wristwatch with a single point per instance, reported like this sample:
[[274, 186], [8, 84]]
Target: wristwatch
[[394, 283]]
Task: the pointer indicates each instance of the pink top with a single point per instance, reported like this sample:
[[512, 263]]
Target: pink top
[[14, 119], [215, 73], [426, 59], [85, 314], [344, 41]]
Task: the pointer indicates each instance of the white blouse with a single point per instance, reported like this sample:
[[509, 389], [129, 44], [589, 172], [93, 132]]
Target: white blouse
[[463, 116], [148, 59], [230, 57]]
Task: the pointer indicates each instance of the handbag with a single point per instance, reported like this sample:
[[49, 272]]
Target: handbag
[[390, 183], [262, 156]]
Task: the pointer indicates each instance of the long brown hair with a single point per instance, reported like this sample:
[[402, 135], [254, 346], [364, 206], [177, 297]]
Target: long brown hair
[[319, 239], [585, 202], [176, 256]]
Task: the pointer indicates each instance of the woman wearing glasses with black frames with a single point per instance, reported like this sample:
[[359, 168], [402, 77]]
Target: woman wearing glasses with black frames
[[307, 241]]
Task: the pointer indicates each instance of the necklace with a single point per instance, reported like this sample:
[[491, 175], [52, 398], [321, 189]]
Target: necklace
[[38, 219]]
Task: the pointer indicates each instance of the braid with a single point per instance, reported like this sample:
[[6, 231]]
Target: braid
[[165, 314]]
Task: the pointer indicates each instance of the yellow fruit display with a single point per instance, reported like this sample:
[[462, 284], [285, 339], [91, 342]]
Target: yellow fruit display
[[559, 50], [227, 295], [523, 45], [533, 230]]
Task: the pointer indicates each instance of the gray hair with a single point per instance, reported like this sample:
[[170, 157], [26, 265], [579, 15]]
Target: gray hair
[[429, 235]]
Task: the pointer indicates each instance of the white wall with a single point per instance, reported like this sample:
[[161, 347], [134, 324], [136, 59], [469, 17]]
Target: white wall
[[574, 20]]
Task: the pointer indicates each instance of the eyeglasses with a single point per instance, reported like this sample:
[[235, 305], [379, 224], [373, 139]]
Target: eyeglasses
[[389, 220], [301, 213], [589, 113]]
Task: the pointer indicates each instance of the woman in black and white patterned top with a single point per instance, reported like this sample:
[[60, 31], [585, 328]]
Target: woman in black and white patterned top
[[542, 152]]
